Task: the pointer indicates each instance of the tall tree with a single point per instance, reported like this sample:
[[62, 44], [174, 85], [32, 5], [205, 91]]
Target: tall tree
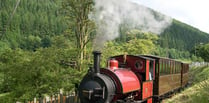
[[77, 14]]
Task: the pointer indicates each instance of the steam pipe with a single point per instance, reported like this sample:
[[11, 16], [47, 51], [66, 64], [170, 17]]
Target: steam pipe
[[97, 55]]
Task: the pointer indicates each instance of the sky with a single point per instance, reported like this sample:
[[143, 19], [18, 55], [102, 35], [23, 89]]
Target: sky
[[192, 12]]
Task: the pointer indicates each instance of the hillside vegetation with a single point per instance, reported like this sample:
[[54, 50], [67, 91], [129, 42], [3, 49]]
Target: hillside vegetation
[[199, 90], [46, 45], [32, 25], [182, 37]]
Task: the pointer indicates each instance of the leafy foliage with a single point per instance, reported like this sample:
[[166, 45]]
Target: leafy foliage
[[202, 51], [31, 74], [143, 45]]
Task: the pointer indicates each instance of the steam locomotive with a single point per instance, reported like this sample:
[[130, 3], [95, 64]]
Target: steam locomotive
[[132, 79]]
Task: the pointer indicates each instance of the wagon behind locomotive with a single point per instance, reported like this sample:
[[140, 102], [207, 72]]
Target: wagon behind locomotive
[[170, 76], [184, 75]]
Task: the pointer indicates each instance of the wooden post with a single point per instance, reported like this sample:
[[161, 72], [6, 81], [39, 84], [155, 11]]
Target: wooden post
[[58, 98], [64, 99], [40, 100], [51, 99], [44, 100], [34, 100], [61, 98]]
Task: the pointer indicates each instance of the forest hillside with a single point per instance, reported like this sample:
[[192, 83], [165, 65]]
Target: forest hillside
[[46, 45]]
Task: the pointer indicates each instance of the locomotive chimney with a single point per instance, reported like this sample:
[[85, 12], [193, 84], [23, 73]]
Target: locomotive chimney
[[97, 55]]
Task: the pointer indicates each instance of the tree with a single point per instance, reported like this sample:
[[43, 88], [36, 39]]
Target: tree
[[31, 43], [25, 75], [139, 46], [77, 12], [143, 44], [140, 42], [203, 51]]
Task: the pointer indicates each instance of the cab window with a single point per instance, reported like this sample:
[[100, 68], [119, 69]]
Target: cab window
[[151, 69]]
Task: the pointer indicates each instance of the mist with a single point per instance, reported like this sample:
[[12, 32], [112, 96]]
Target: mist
[[109, 14]]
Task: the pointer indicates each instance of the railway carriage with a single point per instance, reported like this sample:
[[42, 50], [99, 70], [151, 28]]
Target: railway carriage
[[168, 77], [184, 74]]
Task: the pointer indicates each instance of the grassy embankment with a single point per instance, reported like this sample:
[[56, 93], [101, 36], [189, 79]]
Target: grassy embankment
[[198, 92]]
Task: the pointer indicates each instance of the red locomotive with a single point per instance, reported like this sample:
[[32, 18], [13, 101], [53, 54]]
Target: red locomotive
[[132, 79]]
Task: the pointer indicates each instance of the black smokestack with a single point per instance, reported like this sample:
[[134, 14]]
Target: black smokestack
[[97, 55]]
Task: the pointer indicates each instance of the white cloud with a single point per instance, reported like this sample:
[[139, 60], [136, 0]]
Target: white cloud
[[193, 12]]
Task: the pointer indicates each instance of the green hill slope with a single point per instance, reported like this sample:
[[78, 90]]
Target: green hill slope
[[36, 21], [182, 36], [32, 22]]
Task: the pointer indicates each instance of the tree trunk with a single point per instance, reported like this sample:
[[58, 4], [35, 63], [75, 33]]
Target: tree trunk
[[79, 11], [81, 56]]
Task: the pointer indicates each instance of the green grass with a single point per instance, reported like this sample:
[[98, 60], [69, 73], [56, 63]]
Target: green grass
[[198, 92]]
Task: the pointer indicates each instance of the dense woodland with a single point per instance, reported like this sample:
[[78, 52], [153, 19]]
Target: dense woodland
[[46, 45], [182, 37]]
